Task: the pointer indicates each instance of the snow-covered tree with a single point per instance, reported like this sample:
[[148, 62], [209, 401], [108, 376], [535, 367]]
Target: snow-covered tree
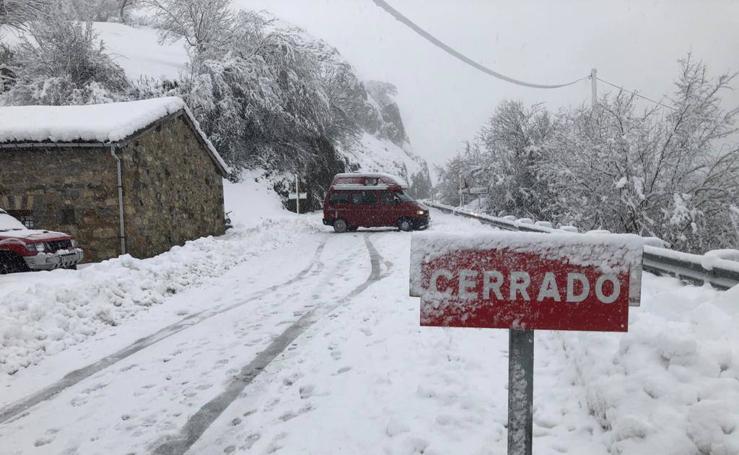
[[97, 10], [512, 149], [62, 62], [450, 181], [420, 184], [205, 25], [504, 159], [670, 175], [18, 13]]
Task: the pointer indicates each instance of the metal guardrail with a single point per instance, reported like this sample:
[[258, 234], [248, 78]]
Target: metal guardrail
[[696, 269]]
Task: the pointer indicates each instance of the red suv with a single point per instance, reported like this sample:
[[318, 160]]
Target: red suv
[[23, 249], [371, 200]]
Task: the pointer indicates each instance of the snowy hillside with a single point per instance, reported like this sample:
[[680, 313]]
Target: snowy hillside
[[373, 154]]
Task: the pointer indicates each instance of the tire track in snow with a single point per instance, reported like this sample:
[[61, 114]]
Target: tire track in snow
[[199, 422], [21, 407]]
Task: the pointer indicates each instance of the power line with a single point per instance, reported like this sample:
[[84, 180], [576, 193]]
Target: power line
[[635, 93], [436, 42], [448, 49]]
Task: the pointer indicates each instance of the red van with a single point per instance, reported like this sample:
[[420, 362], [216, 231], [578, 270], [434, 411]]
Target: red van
[[371, 200]]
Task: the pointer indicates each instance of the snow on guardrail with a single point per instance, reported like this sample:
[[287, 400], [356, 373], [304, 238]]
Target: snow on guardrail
[[699, 269]]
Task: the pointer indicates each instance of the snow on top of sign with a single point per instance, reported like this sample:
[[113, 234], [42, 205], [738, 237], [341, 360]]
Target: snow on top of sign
[[610, 253]]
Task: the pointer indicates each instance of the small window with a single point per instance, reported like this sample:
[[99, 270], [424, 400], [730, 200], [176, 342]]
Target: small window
[[339, 198], [68, 216], [364, 197], [389, 198]]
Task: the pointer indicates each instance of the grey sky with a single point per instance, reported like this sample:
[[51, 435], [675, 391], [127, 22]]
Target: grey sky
[[444, 102]]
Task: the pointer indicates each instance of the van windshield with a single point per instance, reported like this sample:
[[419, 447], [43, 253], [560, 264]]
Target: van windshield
[[404, 197]]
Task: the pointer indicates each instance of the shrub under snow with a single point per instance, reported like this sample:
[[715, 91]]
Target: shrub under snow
[[671, 384]]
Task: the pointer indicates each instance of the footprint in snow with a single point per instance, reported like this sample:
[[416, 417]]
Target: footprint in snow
[[42, 442], [306, 391], [395, 427], [250, 440], [445, 420], [78, 401], [416, 445]]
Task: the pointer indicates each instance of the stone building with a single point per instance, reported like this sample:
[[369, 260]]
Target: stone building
[[136, 177]]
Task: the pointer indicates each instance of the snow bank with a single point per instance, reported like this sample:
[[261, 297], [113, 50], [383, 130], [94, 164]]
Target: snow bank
[[42, 314], [253, 200], [91, 123], [671, 384], [46, 312]]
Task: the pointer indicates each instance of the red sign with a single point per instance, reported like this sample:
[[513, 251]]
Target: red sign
[[527, 280]]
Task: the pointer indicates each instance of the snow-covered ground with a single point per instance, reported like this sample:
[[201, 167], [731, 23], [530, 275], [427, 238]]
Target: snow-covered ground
[[283, 337]]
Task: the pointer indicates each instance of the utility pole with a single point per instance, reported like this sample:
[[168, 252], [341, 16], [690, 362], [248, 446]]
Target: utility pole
[[297, 195], [461, 193], [594, 87]]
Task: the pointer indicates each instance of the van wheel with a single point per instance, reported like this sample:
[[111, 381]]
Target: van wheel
[[404, 224], [340, 226]]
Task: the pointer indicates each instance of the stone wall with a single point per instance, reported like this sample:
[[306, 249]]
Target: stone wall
[[72, 190], [173, 191]]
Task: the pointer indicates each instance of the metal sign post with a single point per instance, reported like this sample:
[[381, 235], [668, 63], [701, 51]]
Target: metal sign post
[[297, 191], [520, 391], [525, 282], [297, 195]]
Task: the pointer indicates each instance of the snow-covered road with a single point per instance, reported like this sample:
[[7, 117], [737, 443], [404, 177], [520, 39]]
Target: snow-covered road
[[311, 345]]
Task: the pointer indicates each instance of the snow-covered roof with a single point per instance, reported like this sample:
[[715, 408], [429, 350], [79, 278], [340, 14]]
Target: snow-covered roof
[[357, 186], [96, 123], [88, 123]]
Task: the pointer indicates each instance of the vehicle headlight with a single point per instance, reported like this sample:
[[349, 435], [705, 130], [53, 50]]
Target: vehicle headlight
[[420, 212], [35, 247]]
